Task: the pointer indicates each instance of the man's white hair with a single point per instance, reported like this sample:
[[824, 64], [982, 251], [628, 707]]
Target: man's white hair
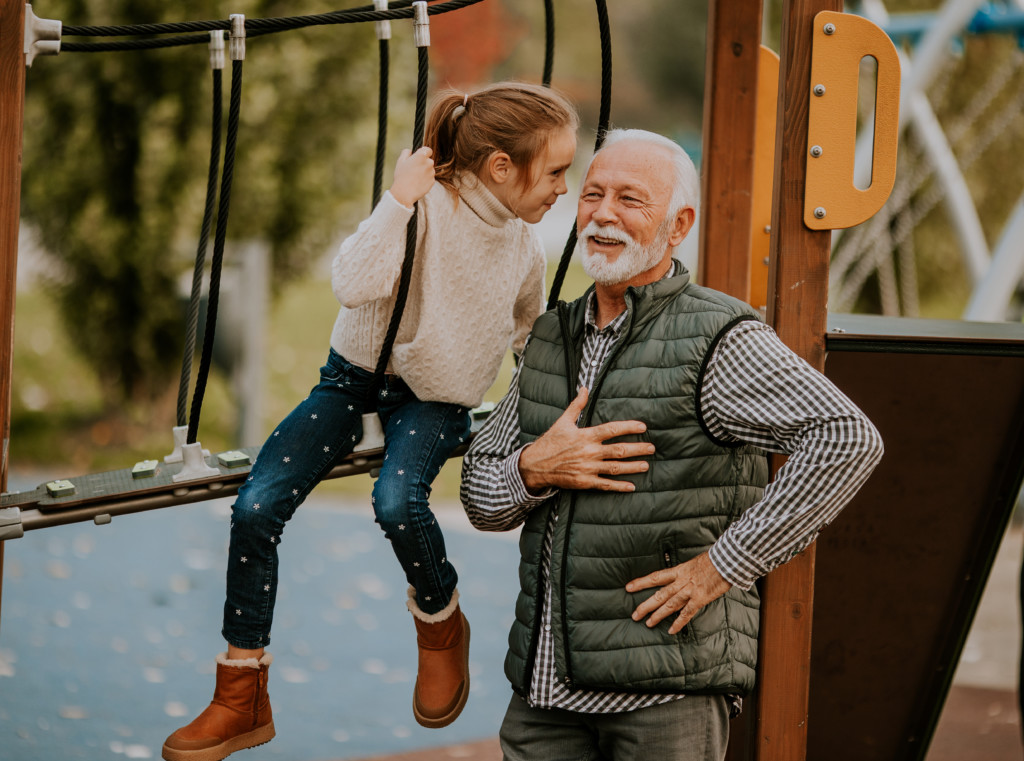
[[686, 186]]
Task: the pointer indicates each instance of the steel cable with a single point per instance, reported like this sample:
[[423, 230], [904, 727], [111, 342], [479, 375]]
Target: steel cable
[[602, 128], [254, 27], [204, 237], [218, 249], [410, 230]]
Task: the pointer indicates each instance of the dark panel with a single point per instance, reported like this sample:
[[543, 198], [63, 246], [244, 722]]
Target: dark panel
[[901, 571]]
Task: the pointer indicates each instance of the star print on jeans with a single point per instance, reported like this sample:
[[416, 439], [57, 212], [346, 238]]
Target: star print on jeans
[[244, 559]]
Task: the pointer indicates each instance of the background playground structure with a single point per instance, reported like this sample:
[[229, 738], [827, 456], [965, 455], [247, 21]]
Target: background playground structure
[[889, 264]]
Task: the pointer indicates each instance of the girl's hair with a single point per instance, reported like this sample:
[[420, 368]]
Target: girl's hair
[[515, 117]]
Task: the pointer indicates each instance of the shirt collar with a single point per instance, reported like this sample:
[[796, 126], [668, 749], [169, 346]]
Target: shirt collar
[[615, 326]]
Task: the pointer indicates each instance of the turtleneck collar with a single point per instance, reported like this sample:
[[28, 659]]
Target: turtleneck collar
[[482, 201]]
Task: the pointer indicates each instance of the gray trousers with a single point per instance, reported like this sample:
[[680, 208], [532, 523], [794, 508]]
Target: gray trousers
[[695, 728]]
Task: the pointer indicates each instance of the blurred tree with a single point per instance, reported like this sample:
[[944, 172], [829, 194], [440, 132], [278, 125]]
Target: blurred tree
[[115, 159]]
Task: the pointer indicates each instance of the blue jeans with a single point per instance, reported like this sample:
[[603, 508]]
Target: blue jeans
[[694, 728], [419, 437]]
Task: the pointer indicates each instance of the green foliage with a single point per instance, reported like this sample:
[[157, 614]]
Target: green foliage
[[115, 162]]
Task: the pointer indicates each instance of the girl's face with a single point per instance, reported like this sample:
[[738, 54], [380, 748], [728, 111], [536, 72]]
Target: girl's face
[[549, 168]]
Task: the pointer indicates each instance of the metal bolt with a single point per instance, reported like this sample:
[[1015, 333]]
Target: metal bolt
[[767, 229], [830, 28], [819, 212], [819, 90], [816, 151], [766, 261]]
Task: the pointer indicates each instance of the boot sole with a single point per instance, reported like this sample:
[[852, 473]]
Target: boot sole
[[448, 718], [259, 736]]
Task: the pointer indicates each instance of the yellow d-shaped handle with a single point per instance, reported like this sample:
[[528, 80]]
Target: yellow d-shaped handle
[[841, 41]]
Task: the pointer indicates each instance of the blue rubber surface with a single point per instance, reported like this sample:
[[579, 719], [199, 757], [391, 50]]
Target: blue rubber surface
[[108, 635]]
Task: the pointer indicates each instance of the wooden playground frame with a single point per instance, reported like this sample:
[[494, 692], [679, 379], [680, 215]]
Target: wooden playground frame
[[796, 306]]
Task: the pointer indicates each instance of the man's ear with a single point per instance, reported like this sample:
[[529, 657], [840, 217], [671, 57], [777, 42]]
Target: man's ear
[[682, 225], [499, 167]]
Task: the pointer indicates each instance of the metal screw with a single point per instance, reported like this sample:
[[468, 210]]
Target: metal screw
[[766, 261], [816, 151], [819, 212], [768, 229], [830, 28], [819, 90]]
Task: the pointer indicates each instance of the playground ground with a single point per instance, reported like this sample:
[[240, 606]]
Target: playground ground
[[107, 638]]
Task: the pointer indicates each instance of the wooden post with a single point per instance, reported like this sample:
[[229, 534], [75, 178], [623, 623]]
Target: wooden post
[[797, 297], [12, 103], [727, 167]]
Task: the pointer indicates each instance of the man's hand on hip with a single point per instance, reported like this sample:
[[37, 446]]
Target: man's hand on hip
[[569, 457], [685, 588]]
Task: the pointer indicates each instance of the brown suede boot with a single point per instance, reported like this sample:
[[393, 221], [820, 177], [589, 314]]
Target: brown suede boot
[[239, 716], [442, 682]]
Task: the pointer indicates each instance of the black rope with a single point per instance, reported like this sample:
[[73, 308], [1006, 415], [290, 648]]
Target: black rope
[[103, 47], [204, 237], [602, 129], [401, 9], [549, 41], [382, 124], [410, 231], [218, 250]]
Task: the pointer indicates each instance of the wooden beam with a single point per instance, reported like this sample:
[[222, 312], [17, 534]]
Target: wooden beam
[[797, 298], [727, 166], [12, 103]]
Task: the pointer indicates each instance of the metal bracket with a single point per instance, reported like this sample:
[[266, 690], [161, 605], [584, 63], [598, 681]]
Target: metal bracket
[[217, 49], [421, 24], [237, 44], [10, 524], [180, 435], [373, 434], [42, 36], [383, 27], [195, 464]]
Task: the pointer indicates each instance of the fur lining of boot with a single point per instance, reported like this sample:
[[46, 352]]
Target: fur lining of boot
[[241, 663], [432, 618]]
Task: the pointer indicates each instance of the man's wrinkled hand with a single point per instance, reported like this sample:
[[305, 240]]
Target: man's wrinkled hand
[[570, 457], [684, 589]]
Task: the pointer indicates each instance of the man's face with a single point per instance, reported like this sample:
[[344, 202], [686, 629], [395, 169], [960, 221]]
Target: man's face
[[622, 219]]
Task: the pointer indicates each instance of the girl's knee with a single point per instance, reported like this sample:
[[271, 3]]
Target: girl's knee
[[391, 507], [255, 508]]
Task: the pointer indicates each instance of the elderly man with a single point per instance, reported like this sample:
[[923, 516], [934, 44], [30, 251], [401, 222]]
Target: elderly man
[[630, 447]]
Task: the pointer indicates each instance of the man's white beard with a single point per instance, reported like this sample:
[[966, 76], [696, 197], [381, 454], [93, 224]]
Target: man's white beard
[[631, 261]]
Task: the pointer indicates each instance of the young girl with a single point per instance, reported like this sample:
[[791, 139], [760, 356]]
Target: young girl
[[493, 161]]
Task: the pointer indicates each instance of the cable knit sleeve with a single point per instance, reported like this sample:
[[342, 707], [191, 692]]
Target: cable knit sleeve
[[370, 259], [530, 301]]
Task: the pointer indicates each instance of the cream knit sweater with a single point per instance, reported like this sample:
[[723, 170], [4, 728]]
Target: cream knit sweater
[[477, 286]]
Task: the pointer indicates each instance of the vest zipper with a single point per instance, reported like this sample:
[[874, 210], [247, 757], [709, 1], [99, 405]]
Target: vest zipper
[[588, 414], [567, 346]]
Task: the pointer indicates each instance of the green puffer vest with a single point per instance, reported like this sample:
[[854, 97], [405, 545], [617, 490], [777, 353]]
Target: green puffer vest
[[695, 488]]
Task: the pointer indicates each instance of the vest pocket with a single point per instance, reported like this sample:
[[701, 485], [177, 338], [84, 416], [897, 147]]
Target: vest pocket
[[670, 558]]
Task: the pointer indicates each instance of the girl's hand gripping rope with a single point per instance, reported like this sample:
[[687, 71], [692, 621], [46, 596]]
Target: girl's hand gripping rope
[[414, 176]]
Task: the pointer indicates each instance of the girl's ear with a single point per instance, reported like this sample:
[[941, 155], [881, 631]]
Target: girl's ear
[[499, 167]]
